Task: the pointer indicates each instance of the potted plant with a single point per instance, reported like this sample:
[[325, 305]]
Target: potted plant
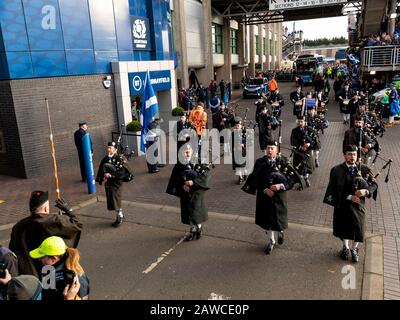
[[178, 111], [133, 129]]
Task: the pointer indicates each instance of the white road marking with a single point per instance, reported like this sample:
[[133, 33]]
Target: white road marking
[[163, 256], [217, 296]]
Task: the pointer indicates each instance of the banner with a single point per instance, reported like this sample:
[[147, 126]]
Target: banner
[[299, 4], [160, 80]]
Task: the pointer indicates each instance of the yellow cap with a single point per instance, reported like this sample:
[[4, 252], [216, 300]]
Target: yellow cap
[[52, 246]]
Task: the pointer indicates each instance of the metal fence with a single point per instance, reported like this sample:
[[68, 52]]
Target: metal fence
[[383, 58]]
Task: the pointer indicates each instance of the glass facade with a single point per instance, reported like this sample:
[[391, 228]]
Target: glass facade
[[234, 41], [217, 38], [43, 38]]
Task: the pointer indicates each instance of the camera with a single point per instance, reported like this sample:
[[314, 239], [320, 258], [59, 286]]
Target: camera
[[69, 276], [2, 270]]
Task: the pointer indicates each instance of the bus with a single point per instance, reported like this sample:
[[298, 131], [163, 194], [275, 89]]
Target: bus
[[341, 55], [307, 66]]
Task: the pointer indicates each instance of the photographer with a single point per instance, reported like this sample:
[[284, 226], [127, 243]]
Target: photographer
[[8, 268], [71, 283], [29, 233]]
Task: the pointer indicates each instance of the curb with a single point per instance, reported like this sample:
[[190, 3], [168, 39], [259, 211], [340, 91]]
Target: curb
[[372, 285]]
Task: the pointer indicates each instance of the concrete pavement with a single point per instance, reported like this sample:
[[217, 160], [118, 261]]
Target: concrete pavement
[[146, 259]]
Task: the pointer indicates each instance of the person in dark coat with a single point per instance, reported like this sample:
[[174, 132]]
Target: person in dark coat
[[297, 97], [152, 138], [239, 150], [189, 182], [266, 124], [303, 157], [270, 185], [113, 171], [29, 232], [346, 192], [337, 86], [344, 98], [78, 138], [9, 262], [356, 135], [276, 101], [183, 124]]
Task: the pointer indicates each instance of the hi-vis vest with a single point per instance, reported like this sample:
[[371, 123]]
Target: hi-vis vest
[[199, 119]]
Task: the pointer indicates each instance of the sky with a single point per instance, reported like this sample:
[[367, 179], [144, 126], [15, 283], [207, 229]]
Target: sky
[[321, 28]]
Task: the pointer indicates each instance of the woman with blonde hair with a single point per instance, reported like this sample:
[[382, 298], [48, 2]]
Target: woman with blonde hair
[[63, 278]]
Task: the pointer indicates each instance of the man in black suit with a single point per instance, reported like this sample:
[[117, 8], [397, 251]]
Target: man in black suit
[[78, 137], [297, 97]]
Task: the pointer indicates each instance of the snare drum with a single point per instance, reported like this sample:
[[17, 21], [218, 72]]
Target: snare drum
[[346, 101], [275, 104]]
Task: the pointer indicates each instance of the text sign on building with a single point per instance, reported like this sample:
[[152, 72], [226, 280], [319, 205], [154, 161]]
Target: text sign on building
[[160, 80], [140, 33], [298, 4]]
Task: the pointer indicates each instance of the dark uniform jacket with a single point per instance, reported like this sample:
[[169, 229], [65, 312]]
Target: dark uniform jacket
[[10, 262], [303, 160], [352, 137], [348, 217], [271, 213], [193, 206], [296, 96], [345, 95], [121, 172], [29, 233], [238, 152]]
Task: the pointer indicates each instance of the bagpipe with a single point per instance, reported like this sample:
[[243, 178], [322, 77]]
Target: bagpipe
[[122, 149], [231, 110], [321, 123], [118, 169], [286, 174]]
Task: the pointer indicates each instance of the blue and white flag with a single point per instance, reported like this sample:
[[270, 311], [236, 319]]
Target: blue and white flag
[[149, 110]]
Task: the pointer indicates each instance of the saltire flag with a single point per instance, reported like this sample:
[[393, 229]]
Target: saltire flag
[[149, 110]]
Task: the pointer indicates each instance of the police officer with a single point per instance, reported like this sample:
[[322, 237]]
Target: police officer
[[78, 138]]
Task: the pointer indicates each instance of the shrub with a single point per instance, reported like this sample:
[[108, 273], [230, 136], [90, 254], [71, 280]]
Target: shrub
[[134, 126], [177, 112]]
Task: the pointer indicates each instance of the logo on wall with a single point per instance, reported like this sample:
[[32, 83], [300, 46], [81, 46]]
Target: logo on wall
[[140, 32], [139, 29], [137, 83]]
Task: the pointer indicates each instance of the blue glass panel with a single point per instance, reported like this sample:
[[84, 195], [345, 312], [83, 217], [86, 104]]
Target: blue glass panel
[[123, 25], [3, 66], [103, 60], [76, 24], [19, 65], [103, 26], [13, 26], [47, 64], [80, 62], [125, 55], [44, 24]]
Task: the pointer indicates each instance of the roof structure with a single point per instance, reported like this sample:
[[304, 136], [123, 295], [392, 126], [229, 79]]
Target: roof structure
[[252, 12]]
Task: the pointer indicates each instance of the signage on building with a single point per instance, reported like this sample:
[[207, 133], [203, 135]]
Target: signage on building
[[160, 80], [2, 143], [140, 33], [297, 4]]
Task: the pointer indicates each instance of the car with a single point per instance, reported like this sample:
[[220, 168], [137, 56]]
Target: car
[[255, 87]]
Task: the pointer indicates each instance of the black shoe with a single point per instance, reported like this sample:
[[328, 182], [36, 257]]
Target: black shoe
[[316, 163], [192, 234], [155, 171], [354, 255], [240, 180], [118, 221], [199, 233], [308, 183], [345, 253], [270, 247], [281, 237]]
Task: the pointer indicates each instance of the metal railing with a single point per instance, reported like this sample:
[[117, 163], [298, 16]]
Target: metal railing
[[383, 58]]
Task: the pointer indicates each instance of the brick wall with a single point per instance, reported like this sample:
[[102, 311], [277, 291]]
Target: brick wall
[[71, 99], [11, 162]]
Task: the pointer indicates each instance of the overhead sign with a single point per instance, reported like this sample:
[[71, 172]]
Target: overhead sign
[[299, 4], [140, 33], [160, 80]]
